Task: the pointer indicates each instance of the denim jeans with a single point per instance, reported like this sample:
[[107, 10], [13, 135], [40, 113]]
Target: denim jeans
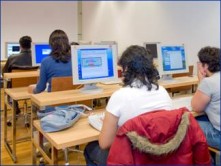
[[94, 155], [213, 135]]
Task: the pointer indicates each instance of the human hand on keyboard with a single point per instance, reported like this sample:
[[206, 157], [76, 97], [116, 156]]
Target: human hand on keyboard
[[96, 120]]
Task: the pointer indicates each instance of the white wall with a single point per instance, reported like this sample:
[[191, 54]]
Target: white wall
[[37, 19], [196, 24]]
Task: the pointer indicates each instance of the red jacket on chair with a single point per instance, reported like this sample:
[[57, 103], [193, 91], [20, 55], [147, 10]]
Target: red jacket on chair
[[160, 137]]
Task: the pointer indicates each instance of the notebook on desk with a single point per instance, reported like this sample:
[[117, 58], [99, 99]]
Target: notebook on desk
[[182, 102], [96, 120]]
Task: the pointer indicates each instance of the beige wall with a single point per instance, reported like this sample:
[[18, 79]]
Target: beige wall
[[196, 24], [37, 19]]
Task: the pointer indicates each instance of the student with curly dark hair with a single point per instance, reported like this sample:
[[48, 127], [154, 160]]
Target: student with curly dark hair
[[58, 64], [207, 97], [140, 94]]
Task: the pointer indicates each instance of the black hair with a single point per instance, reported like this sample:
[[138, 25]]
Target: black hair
[[74, 43], [137, 64], [25, 42], [210, 56], [61, 49]]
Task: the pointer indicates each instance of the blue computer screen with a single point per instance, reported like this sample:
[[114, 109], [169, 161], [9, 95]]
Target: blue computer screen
[[95, 63], [173, 58], [41, 51]]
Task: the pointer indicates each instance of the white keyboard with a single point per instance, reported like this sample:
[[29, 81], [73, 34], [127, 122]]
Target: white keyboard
[[96, 120], [182, 102]]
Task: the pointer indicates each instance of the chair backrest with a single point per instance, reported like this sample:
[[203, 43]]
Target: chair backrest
[[160, 137], [66, 83], [63, 83], [190, 73], [23, 82]]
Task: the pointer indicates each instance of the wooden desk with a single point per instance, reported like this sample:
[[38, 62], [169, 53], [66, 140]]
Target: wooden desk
[[69, 96], [8, 76], [179, 82], [85, 132], [78, 134], [25, 74], [15, 94]]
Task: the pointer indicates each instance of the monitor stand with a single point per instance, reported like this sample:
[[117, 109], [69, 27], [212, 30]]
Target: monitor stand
[[167, 77], [91, 88]]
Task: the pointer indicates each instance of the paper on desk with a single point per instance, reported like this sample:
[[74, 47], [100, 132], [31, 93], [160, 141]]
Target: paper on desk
[[182, 102]]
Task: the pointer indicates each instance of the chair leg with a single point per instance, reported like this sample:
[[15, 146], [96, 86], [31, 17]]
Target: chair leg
[[66, 156]]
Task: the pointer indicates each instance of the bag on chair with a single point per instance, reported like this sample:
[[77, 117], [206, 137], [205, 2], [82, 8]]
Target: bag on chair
[[63, 117]]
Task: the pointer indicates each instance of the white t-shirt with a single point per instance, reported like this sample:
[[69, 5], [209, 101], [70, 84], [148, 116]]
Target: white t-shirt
[[128, 102]]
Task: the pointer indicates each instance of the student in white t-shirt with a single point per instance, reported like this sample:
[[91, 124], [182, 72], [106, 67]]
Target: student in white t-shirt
[[140, 94]]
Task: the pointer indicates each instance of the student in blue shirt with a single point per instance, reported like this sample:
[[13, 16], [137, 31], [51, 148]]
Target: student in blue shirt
[[58, 64]]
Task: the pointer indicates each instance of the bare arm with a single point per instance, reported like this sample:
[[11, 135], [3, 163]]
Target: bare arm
[[199, 101], [108, 131]]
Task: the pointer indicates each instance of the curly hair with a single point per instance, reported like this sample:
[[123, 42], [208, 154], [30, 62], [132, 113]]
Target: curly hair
[[137, 64], [61, 49], [211, 57]]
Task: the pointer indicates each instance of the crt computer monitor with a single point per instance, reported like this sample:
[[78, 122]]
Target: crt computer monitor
[[12, 48], [39, 52], [152, 47], [92, 64], [172, 60]]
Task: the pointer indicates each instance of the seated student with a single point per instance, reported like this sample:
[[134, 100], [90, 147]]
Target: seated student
[[207, 97], [140, 94], [58, 64], [21, 59]]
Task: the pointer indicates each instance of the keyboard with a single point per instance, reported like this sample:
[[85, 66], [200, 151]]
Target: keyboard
[[182, 102], [96, 120]]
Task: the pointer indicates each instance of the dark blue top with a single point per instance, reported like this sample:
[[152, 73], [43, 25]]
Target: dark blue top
[[50, 68]]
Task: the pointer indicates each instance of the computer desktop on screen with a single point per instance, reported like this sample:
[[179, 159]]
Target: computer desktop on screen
[[39, 52], [92, 64], [172, 60], [12, 48]]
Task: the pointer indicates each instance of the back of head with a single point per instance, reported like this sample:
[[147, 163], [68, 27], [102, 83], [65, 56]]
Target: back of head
[[74, 43], [137, 65], [211, 57], [25, 42], [59, 42]]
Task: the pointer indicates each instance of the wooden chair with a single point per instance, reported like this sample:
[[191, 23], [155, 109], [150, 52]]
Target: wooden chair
[[66, 83], [184, 88], [62, 84], [216, 155], [23, 82]]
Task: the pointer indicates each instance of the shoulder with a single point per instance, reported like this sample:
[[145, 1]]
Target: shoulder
[[12, 57], [47, 60], [161, 88], [122, 91]]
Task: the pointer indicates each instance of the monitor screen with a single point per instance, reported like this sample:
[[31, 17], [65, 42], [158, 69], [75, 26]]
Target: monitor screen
[[12, 48], [94, 63], [172, 59], [39, 52], [152, 47]]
